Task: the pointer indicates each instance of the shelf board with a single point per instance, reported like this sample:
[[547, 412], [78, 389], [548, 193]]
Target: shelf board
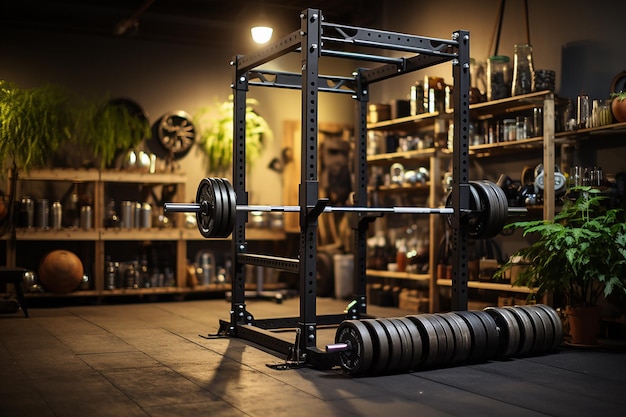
[[133, 292], [408, 122], [493, 286], [402, 188], [612, 129], [55, 234], [140, 234], [508, 105], [392, 157], [252, 233], [61, 174], [143, 177], [499, 148], [397, 275]]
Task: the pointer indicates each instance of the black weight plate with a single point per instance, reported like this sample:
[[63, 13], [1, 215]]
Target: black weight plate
[[492, 332], [446, 339], [232, 205], [557, 325], [484, 227], [430, 340], [416, 339], [474, 204], [381, 345], [221, 206], [508, 330], [395, 345], [406, 345], [357, 359], [526, 331], [478, 333], [462, 337], [500, 207], [205, 218], [543, 341]]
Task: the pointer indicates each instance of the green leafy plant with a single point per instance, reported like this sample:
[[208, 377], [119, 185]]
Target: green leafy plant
[[581, 253], [105, 128], [215, 128], [34, 122]]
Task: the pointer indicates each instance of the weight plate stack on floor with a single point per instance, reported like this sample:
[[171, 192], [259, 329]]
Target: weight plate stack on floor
[[509, 332], [557, 325], [526, 331], [357, 358], [380, 342], [430, 340], [542, 341], [416, 342], [395, 345], [492, 331], [446, 340], [479, 338], [462, 337]]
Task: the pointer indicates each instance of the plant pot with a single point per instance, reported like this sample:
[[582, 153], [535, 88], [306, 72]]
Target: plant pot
[[584, 323], [618, 108]]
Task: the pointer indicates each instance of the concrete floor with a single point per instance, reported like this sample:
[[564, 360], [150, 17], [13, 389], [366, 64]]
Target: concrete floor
[[149, 359]]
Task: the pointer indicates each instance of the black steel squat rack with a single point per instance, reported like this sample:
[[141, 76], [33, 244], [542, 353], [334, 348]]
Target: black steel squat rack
[[312, 41]]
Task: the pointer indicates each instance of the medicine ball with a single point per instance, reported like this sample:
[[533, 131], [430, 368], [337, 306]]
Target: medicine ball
[[60, 271]]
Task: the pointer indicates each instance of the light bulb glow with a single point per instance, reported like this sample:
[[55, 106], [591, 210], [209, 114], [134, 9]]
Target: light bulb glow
[[261, 34]]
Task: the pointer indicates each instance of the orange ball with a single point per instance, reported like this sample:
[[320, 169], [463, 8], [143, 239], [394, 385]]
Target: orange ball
[[60, 271]]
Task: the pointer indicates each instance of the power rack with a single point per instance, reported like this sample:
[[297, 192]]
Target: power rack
[[315, 39]]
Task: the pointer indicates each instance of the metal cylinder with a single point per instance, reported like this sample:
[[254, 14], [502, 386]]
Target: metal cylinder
[[42, 213], [137, 215], [27, 212], [146, 216], [127, 215], [56, 215], [85, 217]]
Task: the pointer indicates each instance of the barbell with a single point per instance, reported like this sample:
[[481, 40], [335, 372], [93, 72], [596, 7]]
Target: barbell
[[216, 207]]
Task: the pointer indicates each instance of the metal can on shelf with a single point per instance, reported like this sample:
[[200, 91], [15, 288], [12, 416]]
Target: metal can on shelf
[[27, 212], [128, 215], [85, 217], [146, 216], [56, 215], [42, 213]]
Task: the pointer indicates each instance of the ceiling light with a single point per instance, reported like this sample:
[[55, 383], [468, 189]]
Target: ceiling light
[[261, 34]]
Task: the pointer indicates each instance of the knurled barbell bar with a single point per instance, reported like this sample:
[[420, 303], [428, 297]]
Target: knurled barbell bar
[[216, 206]]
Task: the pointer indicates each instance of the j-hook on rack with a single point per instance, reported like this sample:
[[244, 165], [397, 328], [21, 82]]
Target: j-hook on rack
[[315, 39]]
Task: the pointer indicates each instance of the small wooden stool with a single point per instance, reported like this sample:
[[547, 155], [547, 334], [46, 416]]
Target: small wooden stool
[[15, 276]]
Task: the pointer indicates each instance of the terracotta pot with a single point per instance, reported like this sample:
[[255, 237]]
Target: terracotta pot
[[618, 107], [584, 323]]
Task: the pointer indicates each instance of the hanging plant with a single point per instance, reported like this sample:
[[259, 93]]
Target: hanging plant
[[216, 134]]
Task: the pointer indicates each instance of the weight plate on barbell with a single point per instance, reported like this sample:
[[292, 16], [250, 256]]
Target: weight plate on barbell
[[232, 206], [381, 345], [492, 332], [509, 332], [205, 217], [430, 340], [487, 224], [357, 359], [526, 331], [557, 325], [222, 208], [540, 324], [462, 337], [395, 345], [416, 339], [478, 335], [406, 345], [502, 203]]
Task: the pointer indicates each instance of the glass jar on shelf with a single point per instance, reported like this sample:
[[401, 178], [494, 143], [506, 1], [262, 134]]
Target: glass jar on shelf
[[498, 77], [523, 72]]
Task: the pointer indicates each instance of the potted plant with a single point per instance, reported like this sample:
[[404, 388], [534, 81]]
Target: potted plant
[[581, 254], [215, 126]]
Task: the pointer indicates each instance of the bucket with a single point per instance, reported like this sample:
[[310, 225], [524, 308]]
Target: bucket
[[344, 283]]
